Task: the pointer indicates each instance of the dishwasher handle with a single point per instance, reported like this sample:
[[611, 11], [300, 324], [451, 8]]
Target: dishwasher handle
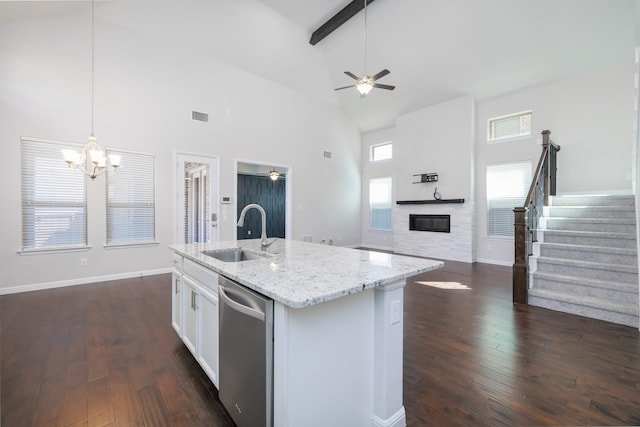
[[240, 307]]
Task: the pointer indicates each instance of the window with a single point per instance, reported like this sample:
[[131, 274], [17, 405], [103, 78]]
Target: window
[[507, 187], [381, 152], [131, 200], [54, 198], [510, 126], [380, 203]]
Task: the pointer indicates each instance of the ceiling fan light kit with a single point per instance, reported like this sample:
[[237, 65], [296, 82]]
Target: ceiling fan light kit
[[274, 175], [365, 83]]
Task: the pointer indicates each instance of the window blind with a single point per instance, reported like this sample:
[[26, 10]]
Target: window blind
[[54, 197], [507, 187], [131, 200], [380, 203]]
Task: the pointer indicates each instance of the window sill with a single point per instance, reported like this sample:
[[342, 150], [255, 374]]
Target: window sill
[[130, 245], [41, 251], [509, 139]]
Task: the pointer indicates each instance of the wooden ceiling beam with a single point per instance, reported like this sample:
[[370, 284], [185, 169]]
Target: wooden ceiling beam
[[337, 20]]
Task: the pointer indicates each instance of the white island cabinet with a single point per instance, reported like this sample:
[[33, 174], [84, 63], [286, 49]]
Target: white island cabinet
[[338, 328], [194, 311]]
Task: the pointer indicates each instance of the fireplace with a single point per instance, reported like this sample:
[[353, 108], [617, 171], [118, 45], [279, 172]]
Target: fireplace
[[436, 223]]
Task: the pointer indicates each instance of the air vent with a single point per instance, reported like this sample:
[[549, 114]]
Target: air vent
[[327, 154], [202, 117]]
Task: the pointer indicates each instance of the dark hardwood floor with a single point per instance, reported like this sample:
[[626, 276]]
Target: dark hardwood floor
[[106, 355]]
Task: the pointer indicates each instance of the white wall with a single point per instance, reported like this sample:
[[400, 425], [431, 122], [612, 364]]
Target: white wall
[[375, 238], [436, 139], [589, 116], [145, 91]]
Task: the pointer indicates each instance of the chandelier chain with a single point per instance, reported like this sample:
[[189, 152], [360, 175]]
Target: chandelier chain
[[92, 61]]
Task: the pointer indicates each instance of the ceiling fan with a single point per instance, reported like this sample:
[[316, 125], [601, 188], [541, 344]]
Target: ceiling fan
[[365, 83]]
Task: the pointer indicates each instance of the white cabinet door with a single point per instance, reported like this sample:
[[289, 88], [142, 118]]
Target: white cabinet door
[[207, 341], [194, 315], [176, 303], [189, 307]]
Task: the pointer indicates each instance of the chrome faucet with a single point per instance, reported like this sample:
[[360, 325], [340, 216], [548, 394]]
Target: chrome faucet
[[263, 239]]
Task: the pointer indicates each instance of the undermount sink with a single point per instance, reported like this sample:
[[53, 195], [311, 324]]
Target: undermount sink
[[234, 255]]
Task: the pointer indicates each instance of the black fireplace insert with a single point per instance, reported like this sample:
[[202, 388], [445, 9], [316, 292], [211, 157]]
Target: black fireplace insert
[[436, 223]]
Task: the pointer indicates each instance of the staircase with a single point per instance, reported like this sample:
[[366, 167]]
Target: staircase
[[585, 261]]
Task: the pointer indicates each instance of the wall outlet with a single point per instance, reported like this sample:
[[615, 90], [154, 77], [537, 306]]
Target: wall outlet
[[307, 238], [83, 262]]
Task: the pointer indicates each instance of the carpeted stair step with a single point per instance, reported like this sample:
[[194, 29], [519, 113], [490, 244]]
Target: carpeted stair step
[[593, 200], [588, 269], [622, 293], [581, 305], [590, 224], [614, 212], [590, 238], [603, 254]]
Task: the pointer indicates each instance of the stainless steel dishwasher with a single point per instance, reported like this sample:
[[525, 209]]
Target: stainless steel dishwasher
[[246, 354]]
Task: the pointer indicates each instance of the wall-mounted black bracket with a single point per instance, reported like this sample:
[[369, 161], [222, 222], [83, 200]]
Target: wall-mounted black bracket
[[427, 177]]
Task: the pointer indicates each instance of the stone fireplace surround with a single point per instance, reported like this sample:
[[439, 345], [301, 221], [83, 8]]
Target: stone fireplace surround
[[458, 245]]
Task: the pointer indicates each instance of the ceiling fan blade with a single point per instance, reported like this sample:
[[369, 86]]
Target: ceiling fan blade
[[380, 86], [345, 87], [350, 74], [381, 74]]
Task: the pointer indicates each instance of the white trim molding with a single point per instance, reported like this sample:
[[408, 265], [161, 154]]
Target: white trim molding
[[81, 281]]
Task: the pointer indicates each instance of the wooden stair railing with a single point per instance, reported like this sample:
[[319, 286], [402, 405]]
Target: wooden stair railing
[[526, 217]]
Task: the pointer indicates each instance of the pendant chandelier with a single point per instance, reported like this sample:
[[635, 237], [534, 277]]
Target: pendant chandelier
[[92, 160]]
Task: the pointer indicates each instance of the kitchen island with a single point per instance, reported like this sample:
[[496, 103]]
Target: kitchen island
[[337, 327]]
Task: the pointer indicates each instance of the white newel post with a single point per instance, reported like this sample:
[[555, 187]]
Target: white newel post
[[388, 408]]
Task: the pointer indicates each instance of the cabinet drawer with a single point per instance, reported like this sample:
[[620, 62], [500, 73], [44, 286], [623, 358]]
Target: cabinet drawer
[[177, 261], [203, 275]]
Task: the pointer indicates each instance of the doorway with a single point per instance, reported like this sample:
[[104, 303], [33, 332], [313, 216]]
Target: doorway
[[270, 187], [197, 191]]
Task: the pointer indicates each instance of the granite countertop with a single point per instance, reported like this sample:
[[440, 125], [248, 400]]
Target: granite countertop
[[300, 274]]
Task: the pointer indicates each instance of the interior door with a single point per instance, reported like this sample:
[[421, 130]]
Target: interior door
[[197, 199], [197, 204]]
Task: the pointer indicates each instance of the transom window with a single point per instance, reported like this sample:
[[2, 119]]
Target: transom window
[[510, 126], [381, 152]]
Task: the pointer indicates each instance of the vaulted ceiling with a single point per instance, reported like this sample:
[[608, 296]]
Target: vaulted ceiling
[[440, 49], [435, 49]]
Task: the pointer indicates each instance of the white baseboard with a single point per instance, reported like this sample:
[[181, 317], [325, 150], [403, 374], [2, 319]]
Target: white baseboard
[[494, 262], [399, 419], [80, 281]]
